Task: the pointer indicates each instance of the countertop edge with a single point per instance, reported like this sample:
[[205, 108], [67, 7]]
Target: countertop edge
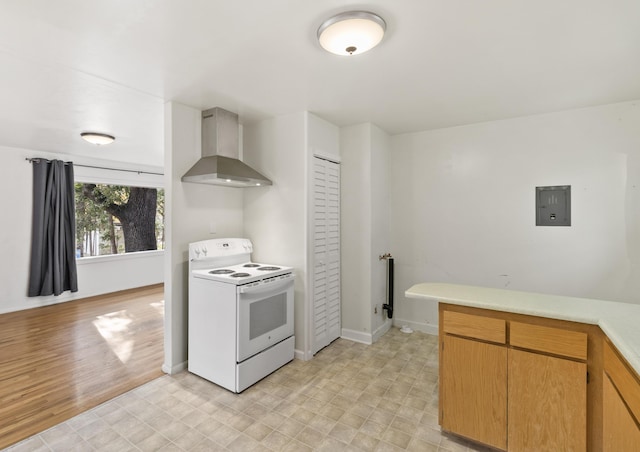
[[612, 317]]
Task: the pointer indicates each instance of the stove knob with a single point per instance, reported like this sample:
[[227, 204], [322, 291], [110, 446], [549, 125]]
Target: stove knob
[[204, 251], [197, 252]]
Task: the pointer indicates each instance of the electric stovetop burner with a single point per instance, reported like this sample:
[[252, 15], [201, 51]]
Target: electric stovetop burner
[[222, 271], [240, 275], [251, 265], [268, 269]]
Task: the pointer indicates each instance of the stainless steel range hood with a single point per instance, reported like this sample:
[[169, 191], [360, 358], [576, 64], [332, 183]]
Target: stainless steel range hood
[[220, 163]]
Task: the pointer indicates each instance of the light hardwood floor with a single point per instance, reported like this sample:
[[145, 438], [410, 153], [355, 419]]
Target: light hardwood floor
[[60, 360]]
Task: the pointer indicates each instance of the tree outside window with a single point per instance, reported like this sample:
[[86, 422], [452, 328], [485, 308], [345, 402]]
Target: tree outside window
[[116, 219]]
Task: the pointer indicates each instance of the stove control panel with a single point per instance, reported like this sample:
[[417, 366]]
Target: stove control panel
[[219, 248]]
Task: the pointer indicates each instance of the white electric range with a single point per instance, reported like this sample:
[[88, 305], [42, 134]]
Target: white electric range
[[240, 314]]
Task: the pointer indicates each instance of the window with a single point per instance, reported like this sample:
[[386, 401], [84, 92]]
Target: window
[[116, 219]]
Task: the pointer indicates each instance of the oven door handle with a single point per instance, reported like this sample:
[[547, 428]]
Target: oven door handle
[[267, 286]]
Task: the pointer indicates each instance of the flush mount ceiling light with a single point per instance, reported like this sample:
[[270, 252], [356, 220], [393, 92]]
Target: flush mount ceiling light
[[97, 138], [351, 33]]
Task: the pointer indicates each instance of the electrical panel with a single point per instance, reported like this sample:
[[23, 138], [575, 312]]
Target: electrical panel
[[553, 206]]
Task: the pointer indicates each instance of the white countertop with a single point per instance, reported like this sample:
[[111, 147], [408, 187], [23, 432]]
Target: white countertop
[[619, 321]]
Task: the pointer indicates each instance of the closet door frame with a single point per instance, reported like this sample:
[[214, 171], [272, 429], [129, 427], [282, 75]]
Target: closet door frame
[[327, 261]]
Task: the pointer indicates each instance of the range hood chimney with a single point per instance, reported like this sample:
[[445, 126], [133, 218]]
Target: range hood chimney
[[220, 163]]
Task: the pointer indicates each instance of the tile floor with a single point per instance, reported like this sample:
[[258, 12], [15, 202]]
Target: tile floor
[[353, 397]]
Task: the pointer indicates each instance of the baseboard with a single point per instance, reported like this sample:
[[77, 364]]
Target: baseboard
[[171, 370], [301, 355], [69, 297], [357, 336], [382, 329], [417, 326]]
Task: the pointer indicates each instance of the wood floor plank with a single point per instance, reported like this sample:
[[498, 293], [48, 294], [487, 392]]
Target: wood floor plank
[[60, 360]]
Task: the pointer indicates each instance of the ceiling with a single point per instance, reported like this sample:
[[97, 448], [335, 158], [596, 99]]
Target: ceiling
[[110, 65]]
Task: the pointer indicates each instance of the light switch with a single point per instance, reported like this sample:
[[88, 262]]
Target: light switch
[[553, 206]]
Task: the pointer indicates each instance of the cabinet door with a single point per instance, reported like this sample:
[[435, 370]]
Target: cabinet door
[[547, 403], [620, 431], [473, 390], [326, 253]]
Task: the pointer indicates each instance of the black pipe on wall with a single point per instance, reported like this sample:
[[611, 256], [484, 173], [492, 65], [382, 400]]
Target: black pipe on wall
[[388, 306]]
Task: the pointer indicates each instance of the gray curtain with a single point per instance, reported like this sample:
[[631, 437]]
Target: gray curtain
[[53, 261]]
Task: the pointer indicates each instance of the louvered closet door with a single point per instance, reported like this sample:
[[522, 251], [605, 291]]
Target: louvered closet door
[[326, 253]]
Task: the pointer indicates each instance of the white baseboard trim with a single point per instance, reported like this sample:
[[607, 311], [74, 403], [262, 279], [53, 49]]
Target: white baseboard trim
[[357, 336], [171, 370], [366, 338], [382, 329], [417, 326], [301, 355]]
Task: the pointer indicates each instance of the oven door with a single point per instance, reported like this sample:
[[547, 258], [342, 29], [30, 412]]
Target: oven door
[[265, 315]]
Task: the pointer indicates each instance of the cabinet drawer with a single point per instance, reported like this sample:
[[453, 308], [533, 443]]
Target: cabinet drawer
[[475, 326], [571, 344], [623, 379]]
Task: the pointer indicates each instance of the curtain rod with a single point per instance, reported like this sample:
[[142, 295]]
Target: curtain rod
[[38, 159]]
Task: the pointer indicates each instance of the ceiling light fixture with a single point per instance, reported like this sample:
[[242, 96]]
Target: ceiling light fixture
[[351, 33], [97, 138]]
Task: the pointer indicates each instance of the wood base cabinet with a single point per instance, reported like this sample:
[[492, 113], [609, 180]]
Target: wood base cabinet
[[547, 403], [620, 431], [621, 404], [474, 399], [512, 385]]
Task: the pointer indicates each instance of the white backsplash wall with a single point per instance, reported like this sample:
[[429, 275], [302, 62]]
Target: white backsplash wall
[[275, 216], [463, 206], [190, 209]]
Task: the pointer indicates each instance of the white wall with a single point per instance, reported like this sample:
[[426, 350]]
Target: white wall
[[323, 139], [463, 206], [275, 216], [95, 276], [380, 225], [190, 211], [355, 229], [365, 230]]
